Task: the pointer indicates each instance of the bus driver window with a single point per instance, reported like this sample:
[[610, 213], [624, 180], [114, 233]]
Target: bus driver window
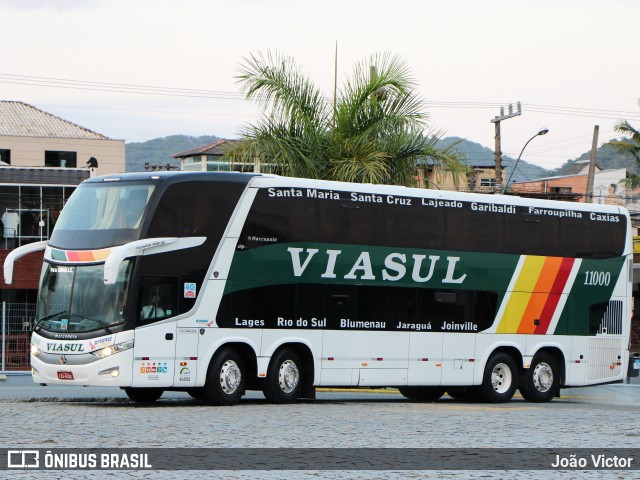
[[153, 309]]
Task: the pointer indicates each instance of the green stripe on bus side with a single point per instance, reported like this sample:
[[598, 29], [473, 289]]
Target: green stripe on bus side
[[364, 265], [592, 287]]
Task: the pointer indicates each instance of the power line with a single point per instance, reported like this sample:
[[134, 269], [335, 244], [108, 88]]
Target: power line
[[54, 82]]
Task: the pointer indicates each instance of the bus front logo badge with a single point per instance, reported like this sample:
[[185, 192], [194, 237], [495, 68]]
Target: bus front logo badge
[[63, 359]]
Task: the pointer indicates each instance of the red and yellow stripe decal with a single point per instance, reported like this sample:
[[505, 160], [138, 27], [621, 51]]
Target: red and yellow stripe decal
[[533, 301], [78, 256]]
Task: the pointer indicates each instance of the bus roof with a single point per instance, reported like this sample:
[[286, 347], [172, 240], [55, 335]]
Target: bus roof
[[266, 181], [175, 177]]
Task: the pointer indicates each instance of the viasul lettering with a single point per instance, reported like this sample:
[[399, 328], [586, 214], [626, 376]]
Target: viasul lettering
[[396, 266], [65, 347]]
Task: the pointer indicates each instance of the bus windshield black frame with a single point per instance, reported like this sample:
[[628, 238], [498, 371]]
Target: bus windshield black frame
[[100, 215], [74, 298]]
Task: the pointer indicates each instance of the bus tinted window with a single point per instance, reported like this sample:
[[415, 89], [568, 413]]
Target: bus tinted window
[[311, 215]]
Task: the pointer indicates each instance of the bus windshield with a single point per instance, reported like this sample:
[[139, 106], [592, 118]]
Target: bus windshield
[[75, 298], [100, 215]]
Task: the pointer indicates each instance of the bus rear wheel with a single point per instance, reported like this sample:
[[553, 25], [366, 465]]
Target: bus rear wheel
[[143, 395], [284, 378], [500, 378], [541, 382], [422, 394], [226, 378]]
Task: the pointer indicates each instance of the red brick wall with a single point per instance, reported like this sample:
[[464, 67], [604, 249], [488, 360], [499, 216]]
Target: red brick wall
[[26, 271], [577, 184]]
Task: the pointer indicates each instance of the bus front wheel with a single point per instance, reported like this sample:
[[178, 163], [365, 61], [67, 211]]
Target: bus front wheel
[[284, 378], [143, 395], [226, 378], [541, 382], [422, 394], [500, 378]]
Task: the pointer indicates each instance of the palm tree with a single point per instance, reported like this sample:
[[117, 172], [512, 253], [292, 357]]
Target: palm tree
[[374, 130], [631, 145]]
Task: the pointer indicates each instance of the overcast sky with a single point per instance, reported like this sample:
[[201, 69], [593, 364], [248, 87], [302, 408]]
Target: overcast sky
[[571, 63]]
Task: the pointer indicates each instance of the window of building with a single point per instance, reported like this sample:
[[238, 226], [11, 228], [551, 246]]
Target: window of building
[[487, 182], [60, 159], [5, 156], [560, 189]]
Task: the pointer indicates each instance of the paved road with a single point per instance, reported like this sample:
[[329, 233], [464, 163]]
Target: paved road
[[89, 417]]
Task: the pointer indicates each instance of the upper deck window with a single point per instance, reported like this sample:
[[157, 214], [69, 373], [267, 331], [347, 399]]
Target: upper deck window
[[101, 215]]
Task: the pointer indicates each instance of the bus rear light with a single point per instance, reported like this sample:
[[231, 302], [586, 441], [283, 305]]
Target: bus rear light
[[379, 359], [262, 374], [425, 359], [438, 364], [365, 364]]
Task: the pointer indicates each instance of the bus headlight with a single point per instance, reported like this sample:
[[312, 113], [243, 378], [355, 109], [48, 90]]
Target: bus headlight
[[110, 350], [35, 350]]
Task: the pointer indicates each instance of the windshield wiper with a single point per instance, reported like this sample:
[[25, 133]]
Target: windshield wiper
[[47, 317], [102, 323]]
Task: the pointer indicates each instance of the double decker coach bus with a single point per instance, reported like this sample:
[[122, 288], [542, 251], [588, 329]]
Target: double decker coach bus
[[218, 283]]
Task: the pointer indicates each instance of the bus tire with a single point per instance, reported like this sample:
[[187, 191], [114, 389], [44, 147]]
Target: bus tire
[[226, 378], [500, 378], [541, 382], [284, 378], [422, 394], [143, 395]]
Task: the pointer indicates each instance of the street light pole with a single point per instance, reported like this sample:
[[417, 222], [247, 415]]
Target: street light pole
[[542, 131]]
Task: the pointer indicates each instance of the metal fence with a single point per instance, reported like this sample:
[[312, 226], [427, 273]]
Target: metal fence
[[15, 334]]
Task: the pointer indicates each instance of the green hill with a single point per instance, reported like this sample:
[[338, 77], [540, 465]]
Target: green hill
[[159, 151], [478, 155], [607, 158]]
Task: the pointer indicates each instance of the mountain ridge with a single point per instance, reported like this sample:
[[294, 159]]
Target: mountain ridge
[[159, 151]]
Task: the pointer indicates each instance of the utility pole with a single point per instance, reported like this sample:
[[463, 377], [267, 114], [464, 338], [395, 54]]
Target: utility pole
[[592, 165], [498, 152]]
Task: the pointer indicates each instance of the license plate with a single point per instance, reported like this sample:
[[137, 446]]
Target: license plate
[[65, 375]]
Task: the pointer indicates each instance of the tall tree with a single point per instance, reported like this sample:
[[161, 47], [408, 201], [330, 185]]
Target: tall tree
[[629, 145], [375, 130]]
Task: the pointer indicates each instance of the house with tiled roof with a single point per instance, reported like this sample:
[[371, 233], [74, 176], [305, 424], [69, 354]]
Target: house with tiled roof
[[30, 137], [608, 186], [212, 158], [43, 158]]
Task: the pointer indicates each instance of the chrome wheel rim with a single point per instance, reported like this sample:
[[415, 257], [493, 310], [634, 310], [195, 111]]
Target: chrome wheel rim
[[543, 377], [501, 378], [230, 377], [288, 376]]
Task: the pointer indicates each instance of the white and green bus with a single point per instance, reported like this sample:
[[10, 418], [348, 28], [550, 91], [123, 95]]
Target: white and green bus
[[218, 283]]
